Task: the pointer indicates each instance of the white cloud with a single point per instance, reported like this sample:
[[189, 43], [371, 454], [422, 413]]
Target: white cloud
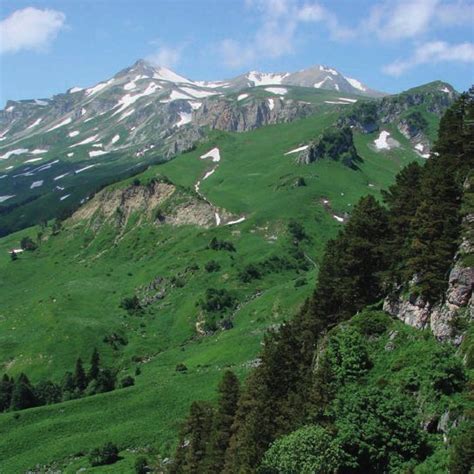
[[30, 29], [433, 52], [408, 19], [276, 34], [166, 56]]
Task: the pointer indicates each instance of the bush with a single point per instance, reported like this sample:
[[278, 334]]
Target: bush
[[127, 381], [181, 367], [27, 243], [296, 230], [131, 304], [311, 449], [217, 301], [212, 266], [107, 454], [141, 465], [216, 244]]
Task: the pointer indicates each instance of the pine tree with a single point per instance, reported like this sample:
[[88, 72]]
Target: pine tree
[[194, 439], [6, 387], [80, 378], [22, 394], [224, 418], [95, 366]]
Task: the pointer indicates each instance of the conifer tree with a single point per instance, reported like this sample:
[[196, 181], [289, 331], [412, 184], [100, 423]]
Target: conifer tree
[[22, 394], [194, 439], [6, 387], [80, 378], [95, 365], [227, 406]]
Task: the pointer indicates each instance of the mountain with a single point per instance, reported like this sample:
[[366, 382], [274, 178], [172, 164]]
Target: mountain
[[174, 272], [57, 152]]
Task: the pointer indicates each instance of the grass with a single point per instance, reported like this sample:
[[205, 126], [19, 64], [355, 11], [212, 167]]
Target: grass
[[60, 301]]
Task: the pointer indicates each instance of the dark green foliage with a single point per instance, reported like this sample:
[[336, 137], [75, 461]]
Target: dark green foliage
[[296, 231], [68, 384], [379, 429], [416, 122], [6, 388], [403, 203], [350, 275], [337, 144], [95, 365], [181, 367], [27, 243], [436, 226], [48, 392], [23, 395], [217, 300], [127, 381], [105, 382], [229, 391], [80, 377], [309, 450], [107, 454], [364, 115], [462, 449], [13, 256], [194, 439], [131, 304], [212, 266], [249, 273], [371, 323], [216, 244], [141, 465]]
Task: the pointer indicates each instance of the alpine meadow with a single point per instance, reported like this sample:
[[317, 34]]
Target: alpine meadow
[[267, 274]]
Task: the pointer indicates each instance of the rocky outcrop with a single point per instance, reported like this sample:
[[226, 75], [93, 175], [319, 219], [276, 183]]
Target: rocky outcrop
[[335, 144], [447, 319], [232, 116], [159, 202]]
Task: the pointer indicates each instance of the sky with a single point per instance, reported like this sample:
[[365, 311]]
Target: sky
[[48, 46]]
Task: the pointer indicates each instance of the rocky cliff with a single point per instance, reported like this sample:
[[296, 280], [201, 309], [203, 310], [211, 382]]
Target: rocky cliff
[[449, 318]]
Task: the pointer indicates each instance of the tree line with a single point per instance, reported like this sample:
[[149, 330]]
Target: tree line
[[21, 393], [404, 244]]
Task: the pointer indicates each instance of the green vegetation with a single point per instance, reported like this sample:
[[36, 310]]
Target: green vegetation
[[82, 271], [328, 397]]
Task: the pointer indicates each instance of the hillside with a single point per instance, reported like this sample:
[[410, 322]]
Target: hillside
[[151, 236], [56, 152]]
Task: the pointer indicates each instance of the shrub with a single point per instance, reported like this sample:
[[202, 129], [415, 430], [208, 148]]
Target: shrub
[[131, 304], [107, 454], [181, 367], [216, 244], [212, 266], [27, 243], [141, 465], [127, 381]]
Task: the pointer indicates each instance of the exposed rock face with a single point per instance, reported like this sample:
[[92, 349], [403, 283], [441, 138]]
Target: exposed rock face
[[158, 202], [234, 117], [335, 144], [458, 303]]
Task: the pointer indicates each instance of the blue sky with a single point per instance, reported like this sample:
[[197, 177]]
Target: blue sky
[[47, 46]]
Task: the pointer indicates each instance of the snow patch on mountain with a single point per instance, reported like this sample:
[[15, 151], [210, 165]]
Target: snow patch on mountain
[[73, 90], [355, 83], [184, 118], [277, 90], [36, 184], [85, 141], [4, 198], [381, 142], [214, 154], [80, 170], [296, 150], [61, 124], [98, 87], [164, 74], [265, 79], [75, 133], [242, 97], [36, 122], [18, 151]]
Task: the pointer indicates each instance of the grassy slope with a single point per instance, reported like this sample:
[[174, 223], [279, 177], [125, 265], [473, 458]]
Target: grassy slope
[[60, 301]]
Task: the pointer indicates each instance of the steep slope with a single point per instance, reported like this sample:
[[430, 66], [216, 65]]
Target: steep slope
[[125, 242]]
